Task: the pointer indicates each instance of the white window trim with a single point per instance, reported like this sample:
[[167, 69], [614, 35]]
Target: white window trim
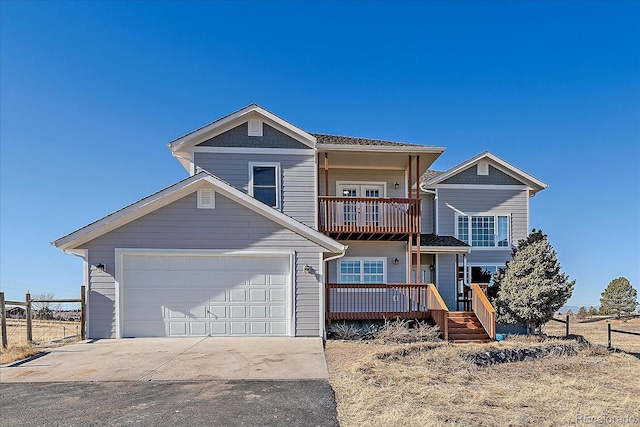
[[362, 259], [341, 184], [275, 165], [212, 204], [495, 230]]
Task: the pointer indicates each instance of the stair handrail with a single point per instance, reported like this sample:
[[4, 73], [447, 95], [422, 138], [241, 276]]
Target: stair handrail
[[483, 310], [438, 310]]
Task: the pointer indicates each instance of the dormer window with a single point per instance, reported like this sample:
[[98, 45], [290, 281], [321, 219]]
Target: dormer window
[[264, 183]]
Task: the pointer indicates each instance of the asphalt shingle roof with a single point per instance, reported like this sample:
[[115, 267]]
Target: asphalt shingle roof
[[435, 240], [350, 140]]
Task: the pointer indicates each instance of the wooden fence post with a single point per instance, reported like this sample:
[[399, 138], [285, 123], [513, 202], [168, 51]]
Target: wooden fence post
[[609, 336], [83, 316], [567, 327], [29, 326], [4, 321]]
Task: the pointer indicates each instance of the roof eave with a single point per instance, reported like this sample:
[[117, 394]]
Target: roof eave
[[380, 148]]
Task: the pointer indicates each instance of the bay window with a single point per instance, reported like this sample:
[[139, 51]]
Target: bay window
[[485, 231]]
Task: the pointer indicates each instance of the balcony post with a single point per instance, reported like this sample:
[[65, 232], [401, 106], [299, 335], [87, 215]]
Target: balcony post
[[326, 174]]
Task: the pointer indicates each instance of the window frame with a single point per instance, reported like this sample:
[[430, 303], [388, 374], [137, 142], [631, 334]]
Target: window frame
[[362, 273], [278, 184], [496, 241], [470, 267]]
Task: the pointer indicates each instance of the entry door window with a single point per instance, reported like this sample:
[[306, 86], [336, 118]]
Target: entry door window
[[360, 212]]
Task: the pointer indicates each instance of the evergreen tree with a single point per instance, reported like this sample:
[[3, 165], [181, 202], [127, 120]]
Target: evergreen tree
[[593, 311], [582, 313], [534, 236], [619, 298], [533, 288]]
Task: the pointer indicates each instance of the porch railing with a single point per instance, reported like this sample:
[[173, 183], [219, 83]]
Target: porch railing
[[438, 310], [483, 310], [369, 215], [376, 301]]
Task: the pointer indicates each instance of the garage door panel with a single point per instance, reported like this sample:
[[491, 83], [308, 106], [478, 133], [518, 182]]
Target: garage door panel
[[277, 295], [238, 295], [257, 295], [278, 312], [218, 311], [237, 312], [238, 328], [189, 295], [258, 311]]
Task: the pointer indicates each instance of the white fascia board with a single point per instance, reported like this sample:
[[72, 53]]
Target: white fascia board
[[249, 150], [380, 148], [232, 120], [179, 190], [503, 166]]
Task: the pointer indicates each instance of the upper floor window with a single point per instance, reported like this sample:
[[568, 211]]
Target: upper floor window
[[264, 183], [484, 230]]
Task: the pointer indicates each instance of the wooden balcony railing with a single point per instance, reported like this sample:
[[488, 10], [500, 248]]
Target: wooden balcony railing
[[355, 217], [438, 310], [483, 309], [376, 301]]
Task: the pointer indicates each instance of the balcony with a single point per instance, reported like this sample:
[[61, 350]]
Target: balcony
[[369, 218]]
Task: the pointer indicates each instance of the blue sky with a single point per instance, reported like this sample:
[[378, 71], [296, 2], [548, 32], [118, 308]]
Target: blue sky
[[91, 92]]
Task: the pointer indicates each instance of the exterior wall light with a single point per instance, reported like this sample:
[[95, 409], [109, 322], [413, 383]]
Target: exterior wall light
[[306, 269], [396, 185], [396, 261], [101, 268]]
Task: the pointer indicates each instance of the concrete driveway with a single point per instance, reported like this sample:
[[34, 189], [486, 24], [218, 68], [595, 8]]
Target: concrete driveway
[[175, 359]]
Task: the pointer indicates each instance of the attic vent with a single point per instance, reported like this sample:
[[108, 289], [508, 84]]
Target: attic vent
[[483, 168], [255, 127], [206, 198]]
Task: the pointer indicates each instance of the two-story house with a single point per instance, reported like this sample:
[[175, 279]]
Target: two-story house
[[279, 232]]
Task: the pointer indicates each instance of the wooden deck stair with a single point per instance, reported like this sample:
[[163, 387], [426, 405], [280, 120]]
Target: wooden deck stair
[[464, 326]]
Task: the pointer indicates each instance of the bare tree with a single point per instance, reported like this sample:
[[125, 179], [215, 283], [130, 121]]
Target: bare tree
[[44, 310]]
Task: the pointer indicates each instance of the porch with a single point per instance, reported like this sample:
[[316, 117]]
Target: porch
[[411, 301]]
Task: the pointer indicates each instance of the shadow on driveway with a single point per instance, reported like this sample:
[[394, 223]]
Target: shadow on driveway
[[208, 403]]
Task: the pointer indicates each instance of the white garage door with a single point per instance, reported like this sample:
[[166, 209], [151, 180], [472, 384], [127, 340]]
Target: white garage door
[[200, 295]]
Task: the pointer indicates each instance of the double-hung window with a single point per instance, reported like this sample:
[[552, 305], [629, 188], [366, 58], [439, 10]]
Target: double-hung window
[[264, 183], [485, 231], [365, 270]]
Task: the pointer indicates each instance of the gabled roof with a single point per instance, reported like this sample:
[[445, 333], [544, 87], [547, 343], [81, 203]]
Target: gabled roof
[[235, 119], [534, 183], [181, 189]]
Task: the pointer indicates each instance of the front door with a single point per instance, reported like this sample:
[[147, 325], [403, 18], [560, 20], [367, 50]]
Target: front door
[[361, 212]]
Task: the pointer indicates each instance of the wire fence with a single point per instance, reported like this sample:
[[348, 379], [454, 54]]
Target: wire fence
[[42, 319]]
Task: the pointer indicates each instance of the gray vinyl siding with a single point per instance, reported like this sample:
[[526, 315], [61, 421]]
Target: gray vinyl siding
[[390, 177], [470, 176], [180, 225], [388, 250], [446, 282], [238, 137], [297, 177], [428, 217], [483, 201]]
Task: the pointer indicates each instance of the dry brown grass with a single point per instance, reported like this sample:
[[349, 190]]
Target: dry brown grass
[[432, 385], [595, 331], [43, 331]]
